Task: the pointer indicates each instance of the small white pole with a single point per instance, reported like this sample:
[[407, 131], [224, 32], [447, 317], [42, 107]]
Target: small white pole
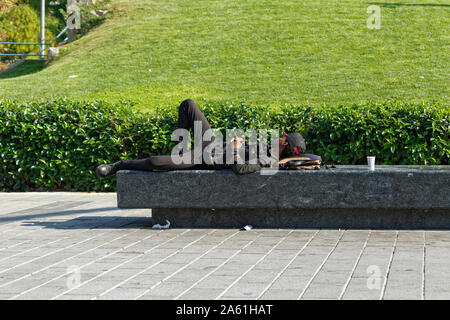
[[42, 50]]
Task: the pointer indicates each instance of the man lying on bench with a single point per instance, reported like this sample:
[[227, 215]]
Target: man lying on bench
[[291, 145]]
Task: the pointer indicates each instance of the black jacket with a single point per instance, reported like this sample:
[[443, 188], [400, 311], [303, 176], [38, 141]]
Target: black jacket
[[243, 166]]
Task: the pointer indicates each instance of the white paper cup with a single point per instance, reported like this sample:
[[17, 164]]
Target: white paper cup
[[371, 163]]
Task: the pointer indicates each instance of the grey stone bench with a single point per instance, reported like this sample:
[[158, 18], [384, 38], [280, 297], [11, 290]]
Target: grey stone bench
[[343, 197]]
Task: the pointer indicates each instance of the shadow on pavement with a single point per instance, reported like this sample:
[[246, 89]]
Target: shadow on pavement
[[16, 216], [96, 222], [146, 222]]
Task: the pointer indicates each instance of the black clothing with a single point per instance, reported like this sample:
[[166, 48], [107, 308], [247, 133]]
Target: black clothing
[[188, 112]]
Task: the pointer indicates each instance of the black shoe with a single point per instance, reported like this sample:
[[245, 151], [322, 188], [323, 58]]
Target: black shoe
[[106, 170]]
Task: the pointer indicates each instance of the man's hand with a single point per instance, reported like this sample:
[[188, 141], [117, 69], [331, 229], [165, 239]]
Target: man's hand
[[237, 143]]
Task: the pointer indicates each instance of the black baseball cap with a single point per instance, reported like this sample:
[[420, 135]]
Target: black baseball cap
[[297, 144]]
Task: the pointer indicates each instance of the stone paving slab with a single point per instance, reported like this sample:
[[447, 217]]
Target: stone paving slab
[[60, 245]]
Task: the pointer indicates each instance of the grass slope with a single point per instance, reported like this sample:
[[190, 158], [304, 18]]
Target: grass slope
[[158, 52]]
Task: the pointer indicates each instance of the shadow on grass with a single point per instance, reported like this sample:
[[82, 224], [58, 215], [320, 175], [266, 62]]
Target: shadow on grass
[[399, 4], [27, 67]]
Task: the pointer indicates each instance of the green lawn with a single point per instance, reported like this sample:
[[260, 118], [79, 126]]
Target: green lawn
[[158, 52]]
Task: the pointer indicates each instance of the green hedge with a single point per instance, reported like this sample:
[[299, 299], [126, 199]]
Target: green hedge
[[57, 145]]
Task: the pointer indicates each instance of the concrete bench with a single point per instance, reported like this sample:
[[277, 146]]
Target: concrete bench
[[343, 197]]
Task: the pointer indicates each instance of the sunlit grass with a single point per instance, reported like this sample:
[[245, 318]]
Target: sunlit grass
[[159, 52]]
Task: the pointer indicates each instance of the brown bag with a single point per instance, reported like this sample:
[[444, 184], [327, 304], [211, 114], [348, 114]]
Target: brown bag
[[302, 162]]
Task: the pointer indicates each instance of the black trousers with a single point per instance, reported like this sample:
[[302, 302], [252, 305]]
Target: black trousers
[[188, 112]]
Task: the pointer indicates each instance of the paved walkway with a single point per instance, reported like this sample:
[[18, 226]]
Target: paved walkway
[[80, 246]]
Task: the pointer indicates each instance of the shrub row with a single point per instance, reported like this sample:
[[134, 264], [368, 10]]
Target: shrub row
[[57, 145]]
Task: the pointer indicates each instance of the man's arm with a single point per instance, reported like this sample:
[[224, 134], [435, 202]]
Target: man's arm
[[243, 168]]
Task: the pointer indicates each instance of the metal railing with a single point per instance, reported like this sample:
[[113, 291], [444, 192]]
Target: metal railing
[[41, 55]]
